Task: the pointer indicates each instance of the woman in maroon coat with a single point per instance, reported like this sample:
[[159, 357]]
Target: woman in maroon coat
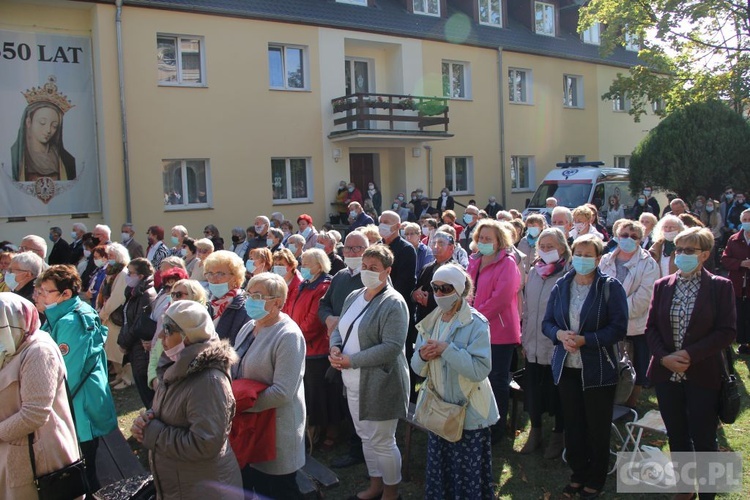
[[322, 399], [692, 320], [736, 260]]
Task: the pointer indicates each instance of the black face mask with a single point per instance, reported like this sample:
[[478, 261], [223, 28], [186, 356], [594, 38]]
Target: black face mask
[[235, 239]]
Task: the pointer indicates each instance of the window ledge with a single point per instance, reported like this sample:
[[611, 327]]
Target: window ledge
[[491, 25], [520, 103], [292, 202], [186, 85], [282, 89], [182, 208], [466, 99], [522, 190], [573, 107]]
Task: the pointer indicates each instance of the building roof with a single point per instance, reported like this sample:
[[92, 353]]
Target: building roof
[[390, 17]]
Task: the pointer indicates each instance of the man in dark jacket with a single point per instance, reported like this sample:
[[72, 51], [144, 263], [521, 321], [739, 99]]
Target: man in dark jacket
[[358, 216], [493, 207], [127, 238], [60, 253], [404, 256], [76, 246], [329, 247]]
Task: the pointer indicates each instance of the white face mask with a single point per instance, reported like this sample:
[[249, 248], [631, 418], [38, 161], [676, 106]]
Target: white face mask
[[446, 302], [353, 263], [549, 257], [579, 227], [426, 231], [385, 230], [371, 279], [670, 235], [174, 353], [124, 237]]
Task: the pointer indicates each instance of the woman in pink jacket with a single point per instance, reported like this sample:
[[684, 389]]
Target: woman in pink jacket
[[496, 283]]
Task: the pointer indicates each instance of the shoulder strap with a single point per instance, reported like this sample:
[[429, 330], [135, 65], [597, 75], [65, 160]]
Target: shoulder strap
[[606, 290], [351, 326]]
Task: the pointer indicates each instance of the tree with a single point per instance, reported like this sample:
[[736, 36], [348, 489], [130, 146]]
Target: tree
[[692, 50], [695, 150]]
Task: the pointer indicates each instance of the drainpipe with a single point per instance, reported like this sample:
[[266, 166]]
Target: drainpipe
[[501, 114], [429, 170], [123, 119]]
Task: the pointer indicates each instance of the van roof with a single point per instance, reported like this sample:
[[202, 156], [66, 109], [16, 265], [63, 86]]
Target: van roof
[[582, 174]]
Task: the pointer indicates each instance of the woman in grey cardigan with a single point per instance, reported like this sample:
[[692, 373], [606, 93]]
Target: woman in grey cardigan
[[368, 347]]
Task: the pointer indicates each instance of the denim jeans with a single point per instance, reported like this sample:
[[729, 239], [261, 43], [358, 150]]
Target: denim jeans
[[502, 354]]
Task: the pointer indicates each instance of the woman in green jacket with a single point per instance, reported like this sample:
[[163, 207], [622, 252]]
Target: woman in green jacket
[[78, 332]]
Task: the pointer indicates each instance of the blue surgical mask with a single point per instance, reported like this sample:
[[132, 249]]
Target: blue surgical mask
[[486, 248], [183, 252], [175, 240], [306, 232], [686, 263], [10, 280], [746, 226], [306, 273], [320, 246], [627, 245], [280, 270], [256, 308], [218, 290], [468, 218], [49, 307], [641, 201], [269, 242], [709, 208], [112, 262], [584, 265], [353, 214], [292, 248], [250, 266], [533, 231], [52, 237]]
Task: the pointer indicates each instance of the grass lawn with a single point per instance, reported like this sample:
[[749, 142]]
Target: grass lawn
[[517, 476]]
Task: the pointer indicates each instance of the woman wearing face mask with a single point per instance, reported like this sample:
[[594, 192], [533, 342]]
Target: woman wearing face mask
[[429, 227], [540, 393], [139, 293], [497, 282], [97, 279], [186, 430], [663, 248], [636, 271], [260, 261], [368, 347], [86, 267], [410, 231], [445, 202], [189, 253], [225, 274], [453, 353], [535, 224], [582, 217], [711, 218], [274, 354], [375, 197], [649, 221], [285, 265], [178, 235], [75, 327], [691, 322], [587, 314], [112, 300], [203, 248], [321, 398]]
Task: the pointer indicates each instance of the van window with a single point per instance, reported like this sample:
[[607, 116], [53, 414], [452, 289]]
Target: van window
[[568, 194], [621, 189]]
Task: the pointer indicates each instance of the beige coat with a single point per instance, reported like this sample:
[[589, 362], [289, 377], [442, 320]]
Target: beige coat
[[188, 438], [116, 299], [33, 400]]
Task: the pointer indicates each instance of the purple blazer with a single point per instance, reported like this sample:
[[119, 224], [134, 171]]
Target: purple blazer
[[711, 329]]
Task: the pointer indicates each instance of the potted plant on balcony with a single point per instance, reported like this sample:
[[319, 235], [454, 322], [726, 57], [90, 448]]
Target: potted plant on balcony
[[407, 103], [342, 104], [432, 107]]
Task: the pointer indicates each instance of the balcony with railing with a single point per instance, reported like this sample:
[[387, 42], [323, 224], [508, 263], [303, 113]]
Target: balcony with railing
[[361, 116]]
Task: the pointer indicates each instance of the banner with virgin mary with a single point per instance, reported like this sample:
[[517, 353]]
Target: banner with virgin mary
[[49, 163]]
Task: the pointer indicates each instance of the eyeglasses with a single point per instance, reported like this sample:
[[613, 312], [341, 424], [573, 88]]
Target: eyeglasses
[[444, 289], [28, 249], [11, 270], [632, 236], [217, 275], [43, 291], [260, 296], [357, 248], [411, 234], [178, 295], [687, 250]]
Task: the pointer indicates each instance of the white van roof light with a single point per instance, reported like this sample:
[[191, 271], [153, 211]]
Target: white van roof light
[[580, 164]]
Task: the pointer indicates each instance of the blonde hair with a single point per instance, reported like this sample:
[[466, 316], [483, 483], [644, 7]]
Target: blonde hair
[[371, 233], [285, 256], [319, 257], [591, 240], [263, 254], [502, 234], [195, 290], [699, 236], [204, 244], [634, 226], [583, 211], [120, 253], [230, 260]]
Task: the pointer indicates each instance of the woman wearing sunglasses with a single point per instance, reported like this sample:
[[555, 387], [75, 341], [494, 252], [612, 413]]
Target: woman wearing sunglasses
[[691, 322], [453, 352]]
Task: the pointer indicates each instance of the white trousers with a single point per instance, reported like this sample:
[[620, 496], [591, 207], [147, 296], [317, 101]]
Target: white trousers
[[382, 456]]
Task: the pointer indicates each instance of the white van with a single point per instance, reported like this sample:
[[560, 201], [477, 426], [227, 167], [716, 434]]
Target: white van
[[574, 184]]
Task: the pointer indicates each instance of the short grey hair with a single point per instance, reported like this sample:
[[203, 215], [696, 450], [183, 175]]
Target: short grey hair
[[238, 231], [181, 229], [30, 262], [79, 226], [265, 219], [105, 228], [319, 257], [277, 233], [204, 244], [274, 284], [563, 210], [560, 239], [296, 239], [503, 215], [120, 253], [37, 241], [173, 261]]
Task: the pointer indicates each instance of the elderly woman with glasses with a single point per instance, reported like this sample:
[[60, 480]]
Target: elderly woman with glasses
[[225, 274], [186, 430], [272, 350], [203, 248], [453, 353], [368, 347], [691, 322], [33, 402]]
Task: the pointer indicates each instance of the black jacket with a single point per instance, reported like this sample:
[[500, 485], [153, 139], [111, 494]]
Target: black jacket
[[136, 302], [60, 253], [404, 267], [232, 319]]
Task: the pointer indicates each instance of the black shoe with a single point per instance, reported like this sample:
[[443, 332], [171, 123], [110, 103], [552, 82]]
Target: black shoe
[[589, 494], [345, 461], [571, 491]]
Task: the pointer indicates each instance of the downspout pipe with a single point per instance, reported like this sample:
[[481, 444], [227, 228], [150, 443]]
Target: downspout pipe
[[501, 114], [123, 117], [429, 171]]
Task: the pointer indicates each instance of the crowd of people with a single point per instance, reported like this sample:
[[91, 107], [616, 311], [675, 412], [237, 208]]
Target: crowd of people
[[246, 357]]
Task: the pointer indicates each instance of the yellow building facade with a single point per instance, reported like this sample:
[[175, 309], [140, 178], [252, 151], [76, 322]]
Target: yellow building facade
[[230, 116]]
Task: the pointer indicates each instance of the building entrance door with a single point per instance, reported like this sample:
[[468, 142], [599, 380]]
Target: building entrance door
[[362, 170]]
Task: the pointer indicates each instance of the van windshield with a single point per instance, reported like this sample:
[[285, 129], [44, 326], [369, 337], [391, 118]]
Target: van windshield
[[568, 194]]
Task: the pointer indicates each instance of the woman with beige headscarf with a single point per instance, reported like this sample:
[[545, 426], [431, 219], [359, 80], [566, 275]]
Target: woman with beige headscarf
[[33, 400]]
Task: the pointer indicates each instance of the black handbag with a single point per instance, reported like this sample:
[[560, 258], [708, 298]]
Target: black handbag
[[117, 317], [66, 483], [139, 487], [729, 394]]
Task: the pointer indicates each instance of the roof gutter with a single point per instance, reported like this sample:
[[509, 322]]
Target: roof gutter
[[123, 117]]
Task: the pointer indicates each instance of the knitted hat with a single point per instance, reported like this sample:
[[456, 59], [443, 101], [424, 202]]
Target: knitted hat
[[193, 319], [451, 274]]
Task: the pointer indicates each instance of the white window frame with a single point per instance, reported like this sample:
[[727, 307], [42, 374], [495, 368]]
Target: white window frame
[[354, 2], [514, 166], [529, 85], [621, 104], [578, 95], [488, 5], [469, 175], [632, 43], [467, 79], [290, 200], [545, 6], [178, 60], [305, 67], [592, 34], [622, 161], [209, 191], [424, 10]]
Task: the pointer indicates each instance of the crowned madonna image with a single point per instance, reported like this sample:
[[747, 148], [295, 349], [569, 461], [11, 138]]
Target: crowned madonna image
[[38, 151]]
